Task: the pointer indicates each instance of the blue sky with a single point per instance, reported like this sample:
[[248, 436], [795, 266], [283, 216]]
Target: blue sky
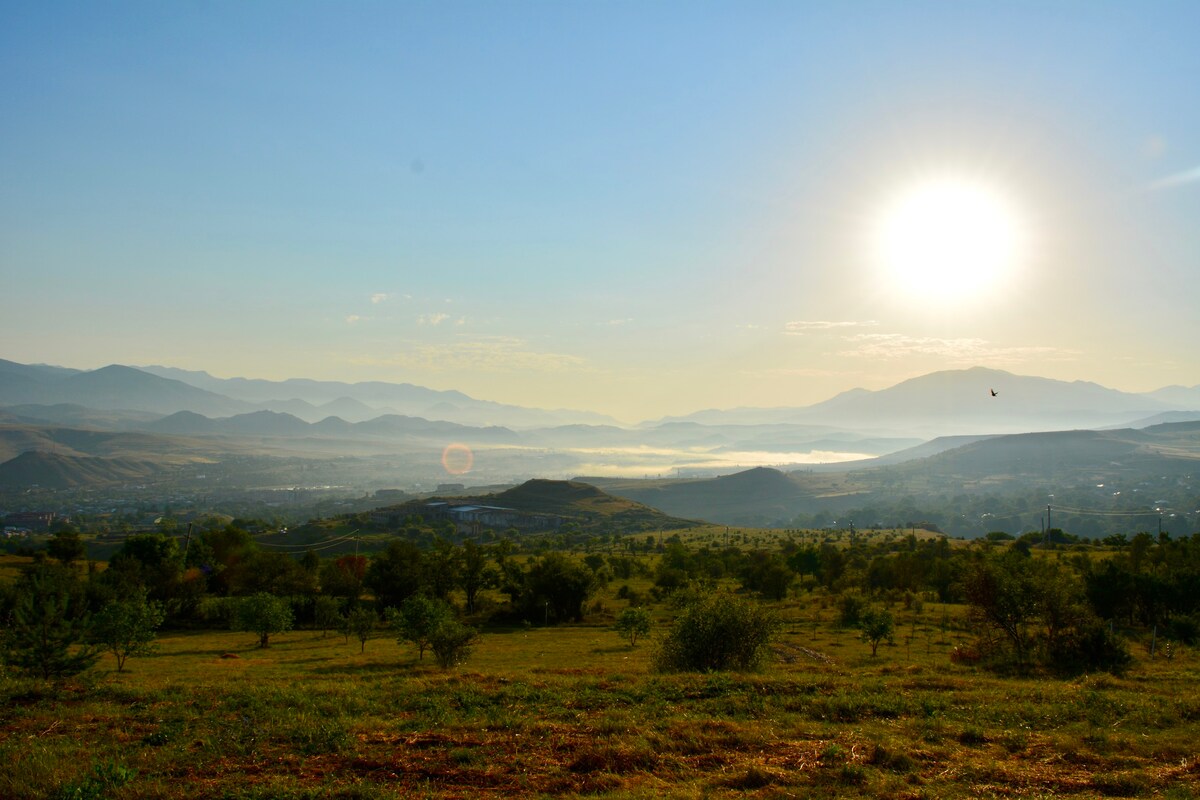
[[636, 208]]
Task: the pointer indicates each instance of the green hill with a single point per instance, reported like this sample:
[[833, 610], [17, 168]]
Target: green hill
[[582, 503]]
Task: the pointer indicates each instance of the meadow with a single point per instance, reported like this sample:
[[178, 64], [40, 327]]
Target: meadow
[[575, 711]]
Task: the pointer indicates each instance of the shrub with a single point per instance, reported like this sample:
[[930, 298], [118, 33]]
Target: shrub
[[850, 610], [452, 642], [716, 632], [417, 620], [1184, 628], [1089, 648], [632, 623]]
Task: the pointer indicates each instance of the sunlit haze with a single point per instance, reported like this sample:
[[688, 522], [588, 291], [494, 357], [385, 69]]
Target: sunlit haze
[[639, 209]]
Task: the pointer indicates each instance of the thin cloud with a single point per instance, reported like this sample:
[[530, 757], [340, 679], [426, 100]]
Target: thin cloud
[[801, 327], [799, 372], [378, 297], [432, 319], [886, 346], [492, 354], [1173, 181], [353, 319]]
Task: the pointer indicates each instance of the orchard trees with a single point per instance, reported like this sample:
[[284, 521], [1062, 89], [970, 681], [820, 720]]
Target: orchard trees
[[127, 627], [264, 614]]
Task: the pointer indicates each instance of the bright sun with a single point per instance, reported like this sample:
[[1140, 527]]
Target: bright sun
[[948, 239]]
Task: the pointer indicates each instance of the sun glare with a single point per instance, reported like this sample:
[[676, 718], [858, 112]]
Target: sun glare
[[948, 239]]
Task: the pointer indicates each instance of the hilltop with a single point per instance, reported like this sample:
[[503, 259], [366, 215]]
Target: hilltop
[[581, 503], [756, 497]]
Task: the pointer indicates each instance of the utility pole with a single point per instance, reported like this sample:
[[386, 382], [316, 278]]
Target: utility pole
[[1048, 525]]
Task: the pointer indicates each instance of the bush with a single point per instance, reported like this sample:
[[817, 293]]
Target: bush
[[418, 619], [850, 610], [716, 632], [1183, 628], [452, 642], [1091, 648]]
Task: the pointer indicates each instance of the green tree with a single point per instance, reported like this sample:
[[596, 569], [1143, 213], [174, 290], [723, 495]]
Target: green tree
[[395, 574], [343, 577], [716, 632], [360, 623], [876, 624], [45, 627], [264, 614], [66, 546], [327, 613], [632, 623], [442, 569], [128, 627], [556, 587], [417, 620], [271, 572], [452, 642], [149, 560], [475, 574]]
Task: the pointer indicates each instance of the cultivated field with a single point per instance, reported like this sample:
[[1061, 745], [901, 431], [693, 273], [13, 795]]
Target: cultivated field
[[574, 711]]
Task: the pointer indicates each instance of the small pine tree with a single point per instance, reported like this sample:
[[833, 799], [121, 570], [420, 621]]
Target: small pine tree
[[45, 627]]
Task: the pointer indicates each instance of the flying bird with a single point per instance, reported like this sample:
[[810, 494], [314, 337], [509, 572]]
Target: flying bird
[[993, 391]]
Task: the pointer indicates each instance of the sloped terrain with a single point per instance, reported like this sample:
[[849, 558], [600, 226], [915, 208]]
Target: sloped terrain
[[57, 471]]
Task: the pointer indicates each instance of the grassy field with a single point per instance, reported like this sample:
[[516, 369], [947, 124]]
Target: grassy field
[[574, 711]]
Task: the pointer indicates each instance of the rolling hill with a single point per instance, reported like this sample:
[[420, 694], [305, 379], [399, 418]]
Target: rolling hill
[[57, 471], [755, 497], [588, 506]]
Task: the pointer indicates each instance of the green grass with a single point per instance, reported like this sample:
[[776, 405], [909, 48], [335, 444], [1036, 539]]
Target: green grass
[[575, 712]]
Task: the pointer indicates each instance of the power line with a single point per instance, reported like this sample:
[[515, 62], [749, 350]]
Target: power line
[[322, 545], [1096, 512]]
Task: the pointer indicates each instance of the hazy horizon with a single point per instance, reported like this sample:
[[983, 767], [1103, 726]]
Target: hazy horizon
[[639, 210]]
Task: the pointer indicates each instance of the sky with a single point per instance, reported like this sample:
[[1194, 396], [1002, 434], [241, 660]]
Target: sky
[[634, 208]]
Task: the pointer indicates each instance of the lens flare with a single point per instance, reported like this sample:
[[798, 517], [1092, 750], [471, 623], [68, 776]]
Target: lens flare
[[457, 459]]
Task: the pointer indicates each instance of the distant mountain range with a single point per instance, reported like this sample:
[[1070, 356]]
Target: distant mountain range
[[356, 402], [972, 401], [165, 416], [953, 402]]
